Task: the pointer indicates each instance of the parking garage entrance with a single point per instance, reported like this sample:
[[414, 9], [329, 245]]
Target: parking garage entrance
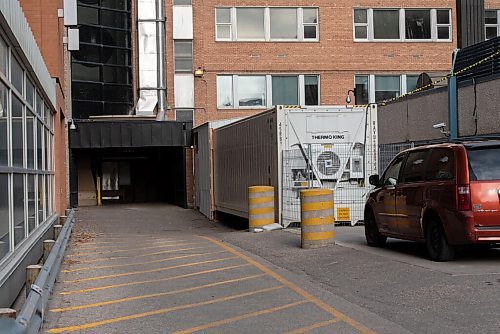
[[130, 162]]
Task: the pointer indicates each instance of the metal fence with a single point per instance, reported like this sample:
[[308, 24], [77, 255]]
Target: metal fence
[[342, 167], [387, 152]]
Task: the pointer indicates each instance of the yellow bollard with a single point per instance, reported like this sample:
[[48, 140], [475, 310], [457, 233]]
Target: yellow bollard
[[317, 220], [260, 207]]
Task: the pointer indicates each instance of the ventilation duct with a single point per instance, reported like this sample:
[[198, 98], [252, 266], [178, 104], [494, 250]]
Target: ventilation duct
[[151, 29]]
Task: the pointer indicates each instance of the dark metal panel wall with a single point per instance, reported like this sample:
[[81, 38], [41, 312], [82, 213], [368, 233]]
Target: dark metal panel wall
[[92, 134], [470, 22]]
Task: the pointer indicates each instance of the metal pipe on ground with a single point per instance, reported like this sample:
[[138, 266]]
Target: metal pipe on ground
[[317, 219]]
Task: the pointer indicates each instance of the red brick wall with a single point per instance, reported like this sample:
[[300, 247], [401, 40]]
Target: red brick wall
[[336, 57], [48, 31]]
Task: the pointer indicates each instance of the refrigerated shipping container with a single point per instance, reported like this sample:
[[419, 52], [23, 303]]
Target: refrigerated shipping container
[[293, 148]]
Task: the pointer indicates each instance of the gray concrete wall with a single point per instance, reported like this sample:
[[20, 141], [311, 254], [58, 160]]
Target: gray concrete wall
[[487, 102], [412, 118]]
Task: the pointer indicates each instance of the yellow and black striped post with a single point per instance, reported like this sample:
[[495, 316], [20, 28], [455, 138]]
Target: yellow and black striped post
[[260, 207], [317, 220]]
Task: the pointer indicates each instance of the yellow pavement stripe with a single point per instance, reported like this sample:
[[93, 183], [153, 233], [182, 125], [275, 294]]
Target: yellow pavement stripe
[[361, 328], [153, 295], [141, 263], [130, 244], [143, 239], [95, 278], [160, 311], [101, 259], [171, 278], [240, 317], [169, 244], [313, 326]]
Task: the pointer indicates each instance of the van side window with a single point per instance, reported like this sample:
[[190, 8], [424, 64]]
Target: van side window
[[441, 165], [392, 172], [414, 167]]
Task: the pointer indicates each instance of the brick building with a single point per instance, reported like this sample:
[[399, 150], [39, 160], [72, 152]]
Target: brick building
[[187, 62], [33, 135]]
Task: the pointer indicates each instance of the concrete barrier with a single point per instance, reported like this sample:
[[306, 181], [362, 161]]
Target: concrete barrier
[[317, 218], [260, 207]]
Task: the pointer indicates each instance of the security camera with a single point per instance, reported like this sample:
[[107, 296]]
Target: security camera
[[439, 126]]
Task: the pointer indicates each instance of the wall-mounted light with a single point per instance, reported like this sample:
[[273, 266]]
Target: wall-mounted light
[[348, 97], [199, 72], [72, 124]]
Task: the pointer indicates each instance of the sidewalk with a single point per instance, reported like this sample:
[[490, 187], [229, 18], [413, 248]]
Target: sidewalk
[[162, 269]]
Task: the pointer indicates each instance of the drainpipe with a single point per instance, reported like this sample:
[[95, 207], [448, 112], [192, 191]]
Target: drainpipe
[[160, 47]]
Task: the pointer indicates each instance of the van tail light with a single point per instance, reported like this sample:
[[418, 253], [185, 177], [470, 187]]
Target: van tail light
[[463, 198]]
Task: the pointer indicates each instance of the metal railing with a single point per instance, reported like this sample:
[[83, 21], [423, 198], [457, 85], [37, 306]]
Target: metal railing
[[30, 318]]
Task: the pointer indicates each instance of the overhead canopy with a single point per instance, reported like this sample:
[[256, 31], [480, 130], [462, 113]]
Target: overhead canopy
[[129, 133]]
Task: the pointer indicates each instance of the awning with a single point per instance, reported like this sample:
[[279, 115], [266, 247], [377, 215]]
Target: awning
[[129, 133]]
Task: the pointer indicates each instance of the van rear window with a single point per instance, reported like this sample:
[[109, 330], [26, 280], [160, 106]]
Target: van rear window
[[484, 163]]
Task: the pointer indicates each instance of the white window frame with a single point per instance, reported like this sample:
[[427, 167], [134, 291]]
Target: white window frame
[[371, 82], [497, 25], [402, 27], [269, 92], [267, 25]]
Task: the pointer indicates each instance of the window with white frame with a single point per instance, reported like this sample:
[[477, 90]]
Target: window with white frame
[[26, 152], [266, 24], [264, 91], [387, 24], [491, 23], [381, 87]]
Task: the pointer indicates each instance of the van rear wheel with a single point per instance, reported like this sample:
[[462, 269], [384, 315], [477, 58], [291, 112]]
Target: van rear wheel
[[373, 237], [437, 246]]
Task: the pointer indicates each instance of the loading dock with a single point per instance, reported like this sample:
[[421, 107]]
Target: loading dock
[[130, 161]]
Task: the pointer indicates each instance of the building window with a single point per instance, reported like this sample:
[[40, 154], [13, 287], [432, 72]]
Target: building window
[[418, 24], [266, 24], [285, 90], [184, 115], [223, 24], [385, 24], [251, 91], [24, 129], [182, 2], [310, 23], [225, 91], [377, 88], [361, 89], [264, 91], [387, 87], [491, 25], [382, 24], [183, 56]]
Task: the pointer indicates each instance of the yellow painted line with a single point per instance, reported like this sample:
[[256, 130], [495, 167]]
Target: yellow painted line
[[154, 295], [95, 278], [260, 200], [361, 328], [313, 326], [142, 263], [101, 259], [160, 311], [169, 244], [171, 278], [318, 206], [131, 244], [240, 317], [143, 239], [315, 236]]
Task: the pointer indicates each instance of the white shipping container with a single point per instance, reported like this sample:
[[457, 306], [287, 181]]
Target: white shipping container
[[292, 148]]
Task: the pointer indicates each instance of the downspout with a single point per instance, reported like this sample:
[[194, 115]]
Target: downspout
[[160, 47]]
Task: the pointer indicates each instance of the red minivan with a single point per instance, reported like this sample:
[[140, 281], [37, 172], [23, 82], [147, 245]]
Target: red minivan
[[445, 195]]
